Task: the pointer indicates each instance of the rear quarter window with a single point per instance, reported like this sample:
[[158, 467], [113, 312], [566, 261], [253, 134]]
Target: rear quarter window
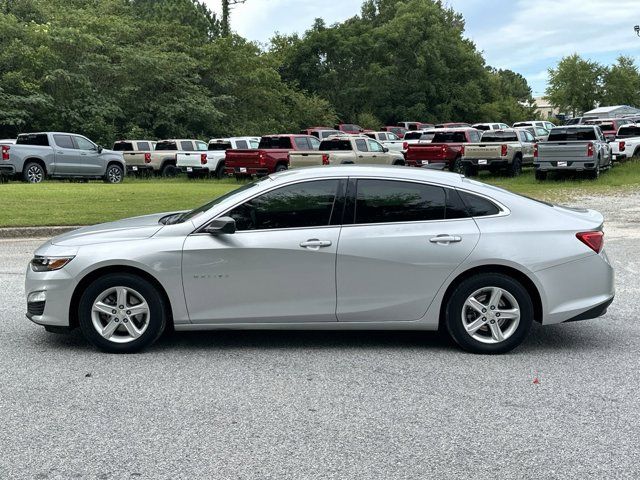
[[477, 206]]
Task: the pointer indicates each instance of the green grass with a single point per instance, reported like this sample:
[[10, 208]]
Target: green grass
[[72, 203]]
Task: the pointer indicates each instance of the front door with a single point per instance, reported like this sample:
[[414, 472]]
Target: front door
[[405, 240], [279, 266], [90, 161]]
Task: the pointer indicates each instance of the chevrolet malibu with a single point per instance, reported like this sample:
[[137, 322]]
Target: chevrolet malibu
[[344, 247]]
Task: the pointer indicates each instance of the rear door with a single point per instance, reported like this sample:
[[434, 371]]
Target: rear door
[[67, 157], [404, 240]]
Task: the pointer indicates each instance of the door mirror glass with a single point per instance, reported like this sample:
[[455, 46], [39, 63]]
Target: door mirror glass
[[99, 148], [222, 225], [385, 149]]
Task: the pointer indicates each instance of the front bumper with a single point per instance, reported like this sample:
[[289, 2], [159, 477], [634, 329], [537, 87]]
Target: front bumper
[[58, 287]]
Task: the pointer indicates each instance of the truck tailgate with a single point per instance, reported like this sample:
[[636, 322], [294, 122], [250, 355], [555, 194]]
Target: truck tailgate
[[550, 151], [189, 159], [133, 158], [432, 151], [305, 159], [483, 150], [245, 158]]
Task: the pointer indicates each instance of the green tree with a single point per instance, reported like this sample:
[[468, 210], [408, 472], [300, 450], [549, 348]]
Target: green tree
[[575, 85], [621, 83]]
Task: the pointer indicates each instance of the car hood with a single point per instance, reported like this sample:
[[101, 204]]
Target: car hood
[[135, 228]]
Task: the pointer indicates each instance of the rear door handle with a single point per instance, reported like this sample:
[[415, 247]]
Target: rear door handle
[[315, 244], [445, 239]]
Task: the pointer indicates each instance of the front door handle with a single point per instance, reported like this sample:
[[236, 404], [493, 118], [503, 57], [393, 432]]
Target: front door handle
[[444, 239], [315, 244]]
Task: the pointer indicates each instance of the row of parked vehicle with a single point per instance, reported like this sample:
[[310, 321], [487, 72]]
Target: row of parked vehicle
[[588, 147]]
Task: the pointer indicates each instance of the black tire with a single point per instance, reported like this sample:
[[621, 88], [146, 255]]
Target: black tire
[[219, 173], [636, 153], [157, 318], [457, 165], [114, 174], [169, 170], [517, 332], [515, 168], [595, 173], [281, 167], [540, 175], [470, 171], [399, 163], [33, 172]]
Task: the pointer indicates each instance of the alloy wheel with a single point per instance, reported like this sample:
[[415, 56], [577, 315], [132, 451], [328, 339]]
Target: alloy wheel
[[35, 174], [490, 315], [120, 314], [114, 175]]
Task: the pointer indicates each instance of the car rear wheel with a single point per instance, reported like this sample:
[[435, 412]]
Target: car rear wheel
[[457, 165], [169, 170], [515, 168], [219, 173], [489, 313], [595, 173], [281, 167], [470, 171], [121, 313], [540, 175], [33, 172], [115, 174]]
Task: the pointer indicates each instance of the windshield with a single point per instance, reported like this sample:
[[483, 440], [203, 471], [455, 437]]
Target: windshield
[[167, 145], [182, 217]]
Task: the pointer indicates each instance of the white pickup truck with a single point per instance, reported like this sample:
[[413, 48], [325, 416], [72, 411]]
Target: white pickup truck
[[627, 142], [387, 139], [211, 162], [346, 149]]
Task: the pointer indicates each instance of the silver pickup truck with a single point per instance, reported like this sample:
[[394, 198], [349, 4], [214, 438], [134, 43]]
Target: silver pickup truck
[[36, 156], [579, 148], [507, 149]]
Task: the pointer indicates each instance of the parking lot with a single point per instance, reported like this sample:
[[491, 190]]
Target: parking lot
[[327, 404]]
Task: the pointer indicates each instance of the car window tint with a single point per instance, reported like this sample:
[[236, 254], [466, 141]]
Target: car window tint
[[450, 137], [201, 146], [166, 145], [301, 143], [40, 139], [478, 206], [186, 145], [361, 144], [314, 143], [271, 143], [145, 146], [64, 141], [383, 201], [241, 144], [307, 204], [561, 134], [83, 144], [123, 146]]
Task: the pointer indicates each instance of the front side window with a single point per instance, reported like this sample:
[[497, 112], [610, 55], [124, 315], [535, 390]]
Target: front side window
[[64, 141], [84, 144], [384, 201], [314, 143], [374, 146], [307, 204], [201, 146]]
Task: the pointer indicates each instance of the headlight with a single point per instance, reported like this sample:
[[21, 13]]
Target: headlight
[[48, 264]]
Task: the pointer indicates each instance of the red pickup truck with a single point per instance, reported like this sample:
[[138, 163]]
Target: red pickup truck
[[272, 155], [447, 146]]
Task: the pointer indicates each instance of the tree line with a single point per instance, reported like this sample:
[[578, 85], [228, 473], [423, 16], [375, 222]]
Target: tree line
[[577, 85], [163, 68]]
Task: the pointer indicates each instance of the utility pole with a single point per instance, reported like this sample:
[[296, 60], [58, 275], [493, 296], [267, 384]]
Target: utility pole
[[227, 5]]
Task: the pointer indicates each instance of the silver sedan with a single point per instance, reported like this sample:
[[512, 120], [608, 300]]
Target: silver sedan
[[343, 247]]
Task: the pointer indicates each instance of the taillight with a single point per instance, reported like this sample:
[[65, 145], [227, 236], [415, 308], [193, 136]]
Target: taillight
[[203, 158], [593, 240], [621, 146], [590, 149], [535, 150], [405, 145], [444, 149], [147, 157], [5, 152], [503, 151], [262, 158], [461, 149], [325, 159]]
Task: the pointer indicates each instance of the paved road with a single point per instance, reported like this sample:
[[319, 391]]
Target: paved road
[[304, 405]]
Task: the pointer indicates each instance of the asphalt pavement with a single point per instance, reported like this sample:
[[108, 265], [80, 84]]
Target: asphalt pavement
[[344, 405]]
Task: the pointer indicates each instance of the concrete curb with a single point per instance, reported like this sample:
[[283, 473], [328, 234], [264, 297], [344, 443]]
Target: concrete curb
[[34, 232]]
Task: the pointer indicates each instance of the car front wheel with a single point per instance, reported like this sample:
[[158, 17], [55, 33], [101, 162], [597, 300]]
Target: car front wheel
[[115, 174], [121, 313], [489, 313]]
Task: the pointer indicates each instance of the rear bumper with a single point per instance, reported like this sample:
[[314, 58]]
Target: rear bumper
[[617, 157], [246, 171], [594, 312], [200, 169], [485, 162], [571, 165], [138, 168], [7, 170]]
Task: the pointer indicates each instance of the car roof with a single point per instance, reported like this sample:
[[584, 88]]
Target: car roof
[[387, 171]]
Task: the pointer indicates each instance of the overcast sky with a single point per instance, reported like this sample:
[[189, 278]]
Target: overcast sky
[[526, 36]]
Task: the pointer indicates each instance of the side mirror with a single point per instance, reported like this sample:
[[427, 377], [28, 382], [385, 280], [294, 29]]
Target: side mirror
[[100, 148], [221, 225], [385, 149]]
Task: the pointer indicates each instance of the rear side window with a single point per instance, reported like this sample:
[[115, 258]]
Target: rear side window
[[241, 144], [477, 206], [482, 127], [64, 141], [166, 146], [186, 145], [499, 136], [449, 137], [123, 146], [335, 145], [144, 146], [307, 204], [560, 134], [301, 143], [39, 139], [272, 143], [361, 145], [384, 201]]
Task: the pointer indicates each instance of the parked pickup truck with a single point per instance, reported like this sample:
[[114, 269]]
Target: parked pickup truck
[[164, 158], [506, 149], [36, 156], [445, 148], [627, 143], [320, 132], [340, 150], [580, 148], [211, 162], [137, 154], [418, 136], [609, 126], [272, 155], [387, 139], [399, 131]]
